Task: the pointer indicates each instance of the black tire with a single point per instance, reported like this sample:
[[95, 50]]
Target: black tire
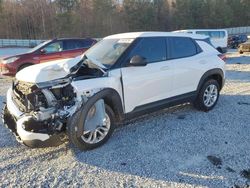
[[199, 102], [24, 66], [76, 124], [240, 52]]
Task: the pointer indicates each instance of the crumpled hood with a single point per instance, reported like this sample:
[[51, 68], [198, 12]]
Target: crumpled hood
[[47, 71]]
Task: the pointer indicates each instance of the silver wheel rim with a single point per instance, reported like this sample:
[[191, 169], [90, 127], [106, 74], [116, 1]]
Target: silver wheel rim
[[98, 134], [210, 95]]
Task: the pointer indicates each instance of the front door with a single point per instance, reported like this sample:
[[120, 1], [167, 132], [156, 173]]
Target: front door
[[151, 83], [51, 52]]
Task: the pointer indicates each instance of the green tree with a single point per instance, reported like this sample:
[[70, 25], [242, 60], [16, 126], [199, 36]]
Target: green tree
[[139, 14], [104, 13]]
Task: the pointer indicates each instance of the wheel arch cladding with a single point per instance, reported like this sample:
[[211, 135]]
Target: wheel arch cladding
[[112, 98], [216, 74]]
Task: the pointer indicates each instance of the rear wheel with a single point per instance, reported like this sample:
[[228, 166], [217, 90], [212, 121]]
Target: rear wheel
[[84, 133], [208, 96]]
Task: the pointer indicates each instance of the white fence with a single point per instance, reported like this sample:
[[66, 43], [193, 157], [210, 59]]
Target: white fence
[[238, 30], [19, 43], [33, 43]]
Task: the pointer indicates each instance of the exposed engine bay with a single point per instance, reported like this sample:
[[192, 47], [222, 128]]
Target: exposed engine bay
[[44, 108]]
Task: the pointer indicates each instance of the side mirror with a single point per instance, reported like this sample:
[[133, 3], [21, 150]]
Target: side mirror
[[137, 61], [43, 51]]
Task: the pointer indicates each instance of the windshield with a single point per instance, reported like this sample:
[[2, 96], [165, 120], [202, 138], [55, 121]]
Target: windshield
[[40, 45], [108, 51]]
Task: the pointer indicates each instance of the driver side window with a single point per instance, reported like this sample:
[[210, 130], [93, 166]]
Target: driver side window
[[53, 47], [153, 49]]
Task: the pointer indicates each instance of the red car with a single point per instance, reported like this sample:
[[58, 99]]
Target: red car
[[47, 51]]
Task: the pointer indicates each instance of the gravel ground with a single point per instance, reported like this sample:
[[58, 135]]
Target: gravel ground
[[177, 147]]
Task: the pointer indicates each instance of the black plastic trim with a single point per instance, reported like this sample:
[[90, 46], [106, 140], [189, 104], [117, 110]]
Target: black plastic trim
[[209, 73], [165, 103]]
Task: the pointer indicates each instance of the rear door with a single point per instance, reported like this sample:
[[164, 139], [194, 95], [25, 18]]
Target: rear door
[[75, 47], [72, 48], [187, 61], [150, 83], [51, 52]]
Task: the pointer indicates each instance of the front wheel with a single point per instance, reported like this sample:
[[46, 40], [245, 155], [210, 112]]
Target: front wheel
[[208, 96], [91, 126]]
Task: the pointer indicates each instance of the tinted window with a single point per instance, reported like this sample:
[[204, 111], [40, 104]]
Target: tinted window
[[54, 47], [203, 33], [212, 34], [72, 44], [153, 49], [86, 43], [182, 47], [77, 44], [215, 34], [222, 34]]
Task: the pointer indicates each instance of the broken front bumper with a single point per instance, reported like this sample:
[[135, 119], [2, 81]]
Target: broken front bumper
[[15, 120]]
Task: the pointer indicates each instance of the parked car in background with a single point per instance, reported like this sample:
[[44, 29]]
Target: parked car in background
[[244, 47], [235, 40], [218, 37], [47, 51], [122, 76]]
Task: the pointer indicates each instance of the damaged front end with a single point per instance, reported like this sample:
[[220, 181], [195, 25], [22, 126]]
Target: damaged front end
[[37, 113]]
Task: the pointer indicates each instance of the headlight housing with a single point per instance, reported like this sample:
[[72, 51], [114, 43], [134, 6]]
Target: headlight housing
[[10, 60]]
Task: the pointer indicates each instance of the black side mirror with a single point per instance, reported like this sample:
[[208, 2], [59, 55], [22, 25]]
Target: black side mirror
[[138, 61]]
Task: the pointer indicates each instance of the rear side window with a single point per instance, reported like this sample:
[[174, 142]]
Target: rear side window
[[212, 34], [203, 33], [182, 47], [222, 34], [77, 44], [215, 34], [153, 49], [72, 44], [86, 43]]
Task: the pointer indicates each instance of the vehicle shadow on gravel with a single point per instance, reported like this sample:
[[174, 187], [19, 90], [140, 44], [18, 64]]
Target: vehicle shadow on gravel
[[178, 145], [181, 145], [238, 59], [242, 76]]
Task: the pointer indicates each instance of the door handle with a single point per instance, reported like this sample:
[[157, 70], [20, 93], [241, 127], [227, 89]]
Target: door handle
[[165, 68]]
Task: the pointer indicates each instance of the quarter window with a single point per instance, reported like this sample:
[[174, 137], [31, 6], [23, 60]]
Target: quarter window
[[153, 49], [182, 47]]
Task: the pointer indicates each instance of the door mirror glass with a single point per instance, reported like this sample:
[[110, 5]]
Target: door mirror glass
[[137, 61]]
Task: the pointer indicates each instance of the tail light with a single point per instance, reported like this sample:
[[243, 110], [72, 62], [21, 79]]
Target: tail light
[[222, 56]]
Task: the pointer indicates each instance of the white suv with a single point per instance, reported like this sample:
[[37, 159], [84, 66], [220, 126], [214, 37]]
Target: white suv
[[122, 76]]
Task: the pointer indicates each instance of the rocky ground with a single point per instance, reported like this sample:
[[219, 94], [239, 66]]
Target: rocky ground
[[178, 147]]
